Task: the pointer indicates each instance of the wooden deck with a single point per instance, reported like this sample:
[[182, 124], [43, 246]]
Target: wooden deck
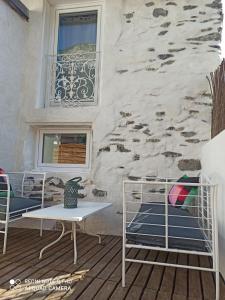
[[98, 272]]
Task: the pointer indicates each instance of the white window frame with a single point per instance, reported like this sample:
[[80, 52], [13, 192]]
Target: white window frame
[[78, 7], [61, 167], [62, 9]]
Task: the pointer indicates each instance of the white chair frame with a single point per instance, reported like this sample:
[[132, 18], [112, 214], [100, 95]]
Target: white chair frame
[[211, 208], [5, 223]]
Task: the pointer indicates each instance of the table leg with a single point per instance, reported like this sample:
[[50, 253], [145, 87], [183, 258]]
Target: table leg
[[54, 242], [92, 234], [41, 228], [96, 235], [74, 241]]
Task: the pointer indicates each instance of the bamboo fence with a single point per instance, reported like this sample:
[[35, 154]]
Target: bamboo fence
[[217, 85]]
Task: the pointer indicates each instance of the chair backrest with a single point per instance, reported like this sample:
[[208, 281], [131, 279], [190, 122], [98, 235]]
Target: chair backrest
[[5, 190], [3, 186]]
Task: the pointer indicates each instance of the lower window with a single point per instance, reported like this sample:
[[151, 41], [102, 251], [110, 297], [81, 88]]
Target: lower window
[[63, 148]]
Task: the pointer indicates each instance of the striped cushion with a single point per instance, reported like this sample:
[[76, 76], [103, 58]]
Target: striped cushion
[[179, 193]]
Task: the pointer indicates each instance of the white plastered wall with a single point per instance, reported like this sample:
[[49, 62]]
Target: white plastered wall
[[154, 112], [13, 54], [213, 165]]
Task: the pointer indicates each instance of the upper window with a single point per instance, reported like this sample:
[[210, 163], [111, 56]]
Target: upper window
[[63, 148], [73, 67], [77, 32]]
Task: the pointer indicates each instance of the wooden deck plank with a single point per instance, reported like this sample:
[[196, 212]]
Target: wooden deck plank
[[163, 296], [42, 294], [89, 260], [18, 243], [27, 245], [99, 256], [65, 246], [105, 260], [80, 268], [111, 266], [23, 291], [194, 285], [80, 287], [92, 289], [145, 271], [119, 293], [25, 263], [58, 294], [106, 290], [134, 293], [208, 286], [31, 257], [149, 295], [101, 265], [222, 289], [28, 273], [10, 269], [68, 254], [178, 297], [154, 281], [13, 233], [141, 277], [59, 248], [98, 272], [88, 245], [117, 275], [168, 279], [181, 280], [132, 272]]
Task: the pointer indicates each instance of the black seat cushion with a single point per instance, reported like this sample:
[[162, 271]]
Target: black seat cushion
[[18, 203], [185, 235]]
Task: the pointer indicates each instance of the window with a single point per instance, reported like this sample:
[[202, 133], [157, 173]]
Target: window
[[77, 32], [63, 148], [74, 64]]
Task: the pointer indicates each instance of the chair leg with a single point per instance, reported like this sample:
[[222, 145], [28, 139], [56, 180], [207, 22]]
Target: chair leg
[[74, 242], [5, 238], [41, 227], [217, 285], [123, 267]]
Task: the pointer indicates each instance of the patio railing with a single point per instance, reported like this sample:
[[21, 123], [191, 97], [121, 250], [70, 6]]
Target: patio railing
[[72, 79]]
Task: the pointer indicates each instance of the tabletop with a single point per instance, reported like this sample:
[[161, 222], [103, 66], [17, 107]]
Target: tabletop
[[58, 212]]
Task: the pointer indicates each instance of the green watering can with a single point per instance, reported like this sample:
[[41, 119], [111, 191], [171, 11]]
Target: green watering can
[[71, 193]]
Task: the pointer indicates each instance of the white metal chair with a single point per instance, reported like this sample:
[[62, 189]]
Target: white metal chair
[[20, 192], [151, 222]]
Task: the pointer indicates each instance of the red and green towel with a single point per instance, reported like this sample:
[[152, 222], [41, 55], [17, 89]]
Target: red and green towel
[[183, 196]]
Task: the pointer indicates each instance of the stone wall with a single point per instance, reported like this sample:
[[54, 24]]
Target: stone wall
[[155, 99], [163, 54], [154, 111], [160, 104]]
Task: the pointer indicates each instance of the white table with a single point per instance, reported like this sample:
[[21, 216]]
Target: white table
[[73, 215]]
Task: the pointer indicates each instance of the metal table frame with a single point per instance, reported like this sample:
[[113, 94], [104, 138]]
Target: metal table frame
[[60, 214], [73, 233]]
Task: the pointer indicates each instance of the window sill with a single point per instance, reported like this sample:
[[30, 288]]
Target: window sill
[[62, 116], [74, 170]]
